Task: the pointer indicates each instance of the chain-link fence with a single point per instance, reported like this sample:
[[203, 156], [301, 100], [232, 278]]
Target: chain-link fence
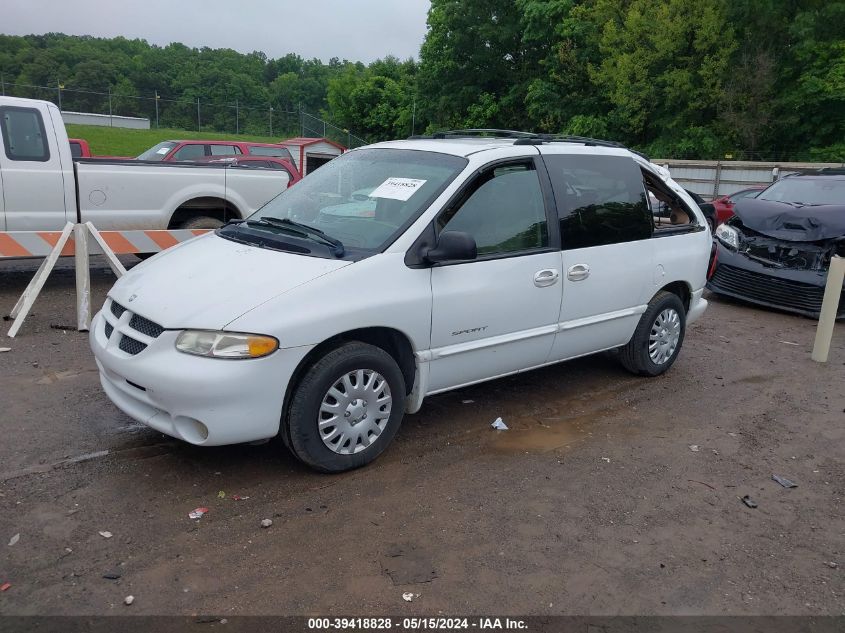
[[189, 114], [314, 126]]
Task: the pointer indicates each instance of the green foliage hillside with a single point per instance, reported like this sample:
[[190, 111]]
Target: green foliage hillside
[[676, 78]]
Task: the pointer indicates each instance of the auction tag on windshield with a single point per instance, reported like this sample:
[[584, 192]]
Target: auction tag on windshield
[[162, 150], [397, 188]]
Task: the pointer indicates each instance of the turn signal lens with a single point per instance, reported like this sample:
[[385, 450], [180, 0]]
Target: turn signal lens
[[225, 344]]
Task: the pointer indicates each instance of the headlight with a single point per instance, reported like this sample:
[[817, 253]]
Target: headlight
[[728, 236], [225, 344]]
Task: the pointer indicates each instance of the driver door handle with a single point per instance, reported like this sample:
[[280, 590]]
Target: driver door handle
[[546, 277], [578, 272]]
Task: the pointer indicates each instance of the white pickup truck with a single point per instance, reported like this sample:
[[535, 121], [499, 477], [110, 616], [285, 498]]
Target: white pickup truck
[[42, 187]]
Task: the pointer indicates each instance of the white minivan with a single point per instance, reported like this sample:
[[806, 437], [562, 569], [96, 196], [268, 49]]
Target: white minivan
[[397, 271]]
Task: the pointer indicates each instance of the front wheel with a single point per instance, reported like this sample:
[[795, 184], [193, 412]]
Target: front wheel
[[657, 341], [347, 408]]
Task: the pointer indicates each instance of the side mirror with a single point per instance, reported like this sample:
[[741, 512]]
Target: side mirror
[[452, 246]]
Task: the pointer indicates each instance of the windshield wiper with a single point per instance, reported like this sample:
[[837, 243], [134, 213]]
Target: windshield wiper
[[301, 230]]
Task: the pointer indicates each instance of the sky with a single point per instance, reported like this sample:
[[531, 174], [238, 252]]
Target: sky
[[357, 30]]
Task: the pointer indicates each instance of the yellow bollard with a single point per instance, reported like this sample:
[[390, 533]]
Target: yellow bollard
[[830, 305]]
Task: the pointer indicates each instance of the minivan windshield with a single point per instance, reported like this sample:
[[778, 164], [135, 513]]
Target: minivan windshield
[[362, 199], [807, 191], [157, 152]]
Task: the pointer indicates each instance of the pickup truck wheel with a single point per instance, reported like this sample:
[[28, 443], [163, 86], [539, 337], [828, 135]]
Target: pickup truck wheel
[[347, 408], [201, 222], [658, 338]]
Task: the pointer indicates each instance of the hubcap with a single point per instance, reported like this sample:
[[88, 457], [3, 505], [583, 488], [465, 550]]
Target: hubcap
[[354, 411], [664, 337]]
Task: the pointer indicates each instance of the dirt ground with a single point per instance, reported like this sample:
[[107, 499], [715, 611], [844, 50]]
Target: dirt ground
[[609, 495]]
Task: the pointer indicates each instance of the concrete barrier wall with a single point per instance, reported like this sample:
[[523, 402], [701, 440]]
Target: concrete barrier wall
[[712, 179], [106, 120]]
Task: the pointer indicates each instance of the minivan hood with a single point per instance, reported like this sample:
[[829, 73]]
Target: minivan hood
[[792, 222], [209, 281]]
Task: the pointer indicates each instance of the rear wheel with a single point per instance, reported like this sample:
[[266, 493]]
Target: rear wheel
[[201, 222], [347, 408], [658, 338]]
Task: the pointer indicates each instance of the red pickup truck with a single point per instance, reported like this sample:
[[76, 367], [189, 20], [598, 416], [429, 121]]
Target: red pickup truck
[[199, 150]]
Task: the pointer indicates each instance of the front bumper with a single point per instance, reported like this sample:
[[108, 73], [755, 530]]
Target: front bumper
[[204, 401], [798, 291]]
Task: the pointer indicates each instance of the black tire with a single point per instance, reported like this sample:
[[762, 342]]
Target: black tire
[[635, 355], [303, 435], [201, 222]]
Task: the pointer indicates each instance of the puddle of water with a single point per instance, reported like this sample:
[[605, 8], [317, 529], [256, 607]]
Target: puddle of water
[[543, 435], [537, 437]]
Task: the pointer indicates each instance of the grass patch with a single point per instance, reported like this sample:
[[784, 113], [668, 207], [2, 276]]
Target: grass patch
[[117, 141]]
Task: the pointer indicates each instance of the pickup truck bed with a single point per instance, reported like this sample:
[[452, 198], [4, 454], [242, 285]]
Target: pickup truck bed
[[42, 187]]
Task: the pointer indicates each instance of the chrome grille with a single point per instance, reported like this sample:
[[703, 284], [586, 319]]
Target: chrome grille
[[131, 346], [145, 326]]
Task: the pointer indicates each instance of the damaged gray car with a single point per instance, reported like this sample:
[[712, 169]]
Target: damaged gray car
[[776, 250]]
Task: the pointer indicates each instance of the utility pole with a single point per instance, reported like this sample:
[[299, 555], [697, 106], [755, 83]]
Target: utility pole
[[157, 98], [3, 84], [237, 121], [271, 120], [301, 121], [59, 87], [199, 121], [414, 117], [110, 119]]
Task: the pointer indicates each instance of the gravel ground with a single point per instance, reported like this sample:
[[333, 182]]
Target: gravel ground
[[609, 494]]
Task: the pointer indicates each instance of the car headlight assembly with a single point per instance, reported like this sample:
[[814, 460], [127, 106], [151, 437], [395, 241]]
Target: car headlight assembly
[[229, 345], [728, 236]]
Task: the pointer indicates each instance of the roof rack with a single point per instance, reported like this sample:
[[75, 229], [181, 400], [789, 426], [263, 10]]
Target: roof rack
[[478, 133], [523, 138]]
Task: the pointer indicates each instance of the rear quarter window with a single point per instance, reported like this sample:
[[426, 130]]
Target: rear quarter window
[[24, 137]]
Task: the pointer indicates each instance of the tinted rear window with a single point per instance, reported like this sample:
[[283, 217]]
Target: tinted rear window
[[600, 199]]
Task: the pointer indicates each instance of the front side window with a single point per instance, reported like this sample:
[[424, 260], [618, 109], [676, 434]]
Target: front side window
[[364, 199], [600, 199], [189, 152], [503, 211], [76, 150], [24, 137]]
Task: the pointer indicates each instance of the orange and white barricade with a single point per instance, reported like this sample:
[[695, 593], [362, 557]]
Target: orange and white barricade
[[74, 240], [17, 244]]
